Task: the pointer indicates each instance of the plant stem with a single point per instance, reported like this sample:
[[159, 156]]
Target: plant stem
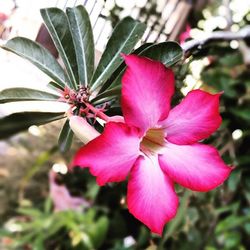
[[216, 36], [97, 112]]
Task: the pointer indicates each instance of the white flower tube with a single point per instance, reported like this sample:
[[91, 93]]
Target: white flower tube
[[82, 129]]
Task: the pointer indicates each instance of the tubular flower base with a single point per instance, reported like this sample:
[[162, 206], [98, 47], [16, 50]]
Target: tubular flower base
[[156, 146], [82, 129]]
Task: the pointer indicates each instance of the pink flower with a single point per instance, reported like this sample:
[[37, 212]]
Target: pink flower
[[61, 197], [156, 146], [185, 34], [3, 17]]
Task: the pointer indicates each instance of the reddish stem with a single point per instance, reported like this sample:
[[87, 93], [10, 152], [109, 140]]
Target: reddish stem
[[97, 112]]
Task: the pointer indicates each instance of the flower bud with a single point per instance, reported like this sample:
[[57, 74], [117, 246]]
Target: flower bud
[[82, 129]]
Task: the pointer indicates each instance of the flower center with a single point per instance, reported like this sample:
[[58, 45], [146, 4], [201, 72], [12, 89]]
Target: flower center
[[153, 141]]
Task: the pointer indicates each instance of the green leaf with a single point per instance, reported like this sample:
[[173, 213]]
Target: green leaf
[[65, 137], [167, 52], [25, 94], [120, 70], [234, 181], [31, 212], [111, 93], [39, 56], [82, 35], [231, 222], [55, 86], [17, 122], [57, 24], [123, 39], [99, 232], [242, 112]]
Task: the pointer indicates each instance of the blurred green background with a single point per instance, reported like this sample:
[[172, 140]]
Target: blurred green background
[[219, 219]]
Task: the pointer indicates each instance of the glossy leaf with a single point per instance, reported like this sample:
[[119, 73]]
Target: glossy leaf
[[57, 24], [167, 52], [17, 122], [82, 35], [65, 137], [39, 56], [120, 70], [123, 39], [25, 94]]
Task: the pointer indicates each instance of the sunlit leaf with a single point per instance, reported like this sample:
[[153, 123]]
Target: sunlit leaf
[[82, 35], [25, 94], [57, 24], [120, 70], [39, 56], [167, 52], [123, 39]]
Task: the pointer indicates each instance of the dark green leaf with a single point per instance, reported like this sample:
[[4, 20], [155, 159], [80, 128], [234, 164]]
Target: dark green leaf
[[109, 94], [123, 39], [243, 113], [57, 24], [25, 94], [65, 137], [82, 35], [234, 180], [120, 70], [231, 60], [39, 56], [55, 86], [17, 122], [168, 53]]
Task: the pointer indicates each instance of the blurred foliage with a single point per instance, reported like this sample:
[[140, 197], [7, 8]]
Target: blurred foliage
[[43, 229], [219, 219]]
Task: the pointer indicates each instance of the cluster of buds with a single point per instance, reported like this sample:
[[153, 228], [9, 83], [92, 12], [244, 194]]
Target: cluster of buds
[[80, 99], [81, 96]]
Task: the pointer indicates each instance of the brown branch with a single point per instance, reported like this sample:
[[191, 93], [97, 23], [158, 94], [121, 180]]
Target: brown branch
[[216, 36]]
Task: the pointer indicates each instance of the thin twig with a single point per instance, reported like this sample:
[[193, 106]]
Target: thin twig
[[216, 36]]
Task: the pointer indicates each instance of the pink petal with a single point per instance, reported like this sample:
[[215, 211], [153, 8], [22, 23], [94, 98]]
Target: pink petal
[[151, 196], [147, 88], [198, 167], [194, 119], [61, 197], [185, 34], [112, 154]]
